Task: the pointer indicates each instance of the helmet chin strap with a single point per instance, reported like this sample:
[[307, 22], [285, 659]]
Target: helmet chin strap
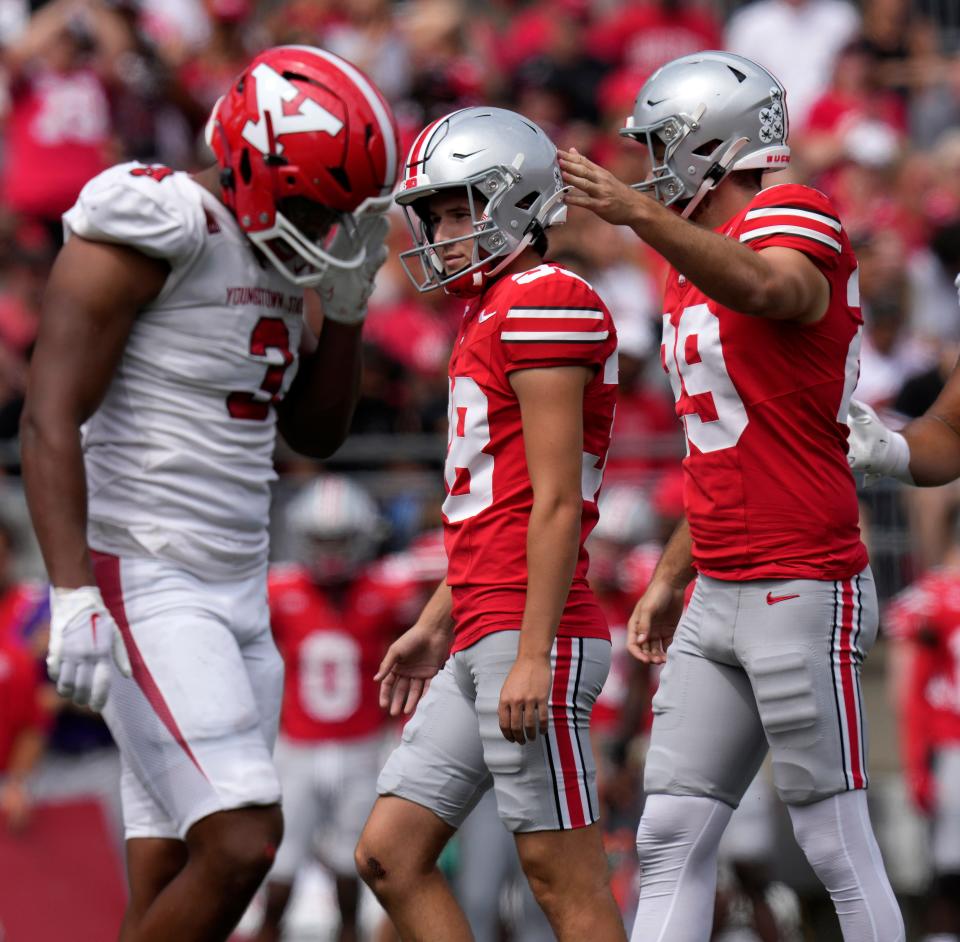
[[714, 175], [481, 275]]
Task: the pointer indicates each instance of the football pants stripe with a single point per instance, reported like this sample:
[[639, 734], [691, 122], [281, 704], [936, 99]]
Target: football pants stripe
[[582, 778], [846, 656], [107, 569], [837, 687], [562, 739]]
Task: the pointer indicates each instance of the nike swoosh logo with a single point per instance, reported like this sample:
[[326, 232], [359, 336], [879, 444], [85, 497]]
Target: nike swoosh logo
[[653, 103], [773, 599], [93, 626], [485, 316]]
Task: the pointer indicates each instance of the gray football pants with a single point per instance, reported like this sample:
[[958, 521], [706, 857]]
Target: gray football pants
[[765, 664]]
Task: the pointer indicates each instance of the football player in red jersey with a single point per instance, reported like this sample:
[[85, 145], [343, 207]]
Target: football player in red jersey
[[333, 618], [523, 646], [924, 621], [171, 332], [761, 335]]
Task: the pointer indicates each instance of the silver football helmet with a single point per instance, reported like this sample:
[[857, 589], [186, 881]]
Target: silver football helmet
[[702, 116], [337, 524], [509, 169]]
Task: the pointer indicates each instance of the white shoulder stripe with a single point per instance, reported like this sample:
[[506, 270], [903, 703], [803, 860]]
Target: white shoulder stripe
[[556, 335], [789, 211], [791, 230], [557, 312], [373, 100]]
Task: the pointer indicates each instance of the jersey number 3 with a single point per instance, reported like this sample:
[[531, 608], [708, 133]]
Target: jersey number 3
[[269, 333]]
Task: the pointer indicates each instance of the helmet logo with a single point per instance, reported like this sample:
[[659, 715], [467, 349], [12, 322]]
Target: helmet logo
[[290, 111], [771, 119]]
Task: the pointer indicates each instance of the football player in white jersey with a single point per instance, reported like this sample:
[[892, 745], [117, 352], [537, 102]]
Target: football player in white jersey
[[925, 453], [166, 361]]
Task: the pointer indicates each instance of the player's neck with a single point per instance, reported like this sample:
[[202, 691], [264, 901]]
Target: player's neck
[[526, 260], [209, 179], [722, 204]]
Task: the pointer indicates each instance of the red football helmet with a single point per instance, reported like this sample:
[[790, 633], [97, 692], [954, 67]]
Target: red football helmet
[[302, 122]]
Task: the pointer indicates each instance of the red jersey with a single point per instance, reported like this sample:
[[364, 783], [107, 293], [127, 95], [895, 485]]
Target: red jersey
[[21, 708], [928, 616], [647, 36], [544, 317], [24, 610], [332, 647], [57, 138], [767, 490]]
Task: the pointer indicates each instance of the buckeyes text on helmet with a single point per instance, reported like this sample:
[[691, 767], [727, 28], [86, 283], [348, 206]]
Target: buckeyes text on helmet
[[508, 166], [301, 124], [703, 116]]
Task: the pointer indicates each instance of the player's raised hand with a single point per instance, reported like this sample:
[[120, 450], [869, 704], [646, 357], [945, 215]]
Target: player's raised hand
[[875, 449], [524, 698], [654, 620], [597, 189], [345, 292], [409, 665], [83, 638]]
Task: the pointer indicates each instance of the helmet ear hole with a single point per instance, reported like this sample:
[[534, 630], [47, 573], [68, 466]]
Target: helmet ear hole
[[246, 171], [705, 150], [525, 202]]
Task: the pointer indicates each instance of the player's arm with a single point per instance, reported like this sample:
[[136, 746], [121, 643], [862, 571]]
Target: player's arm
[[934, 438], [92, 298], [655, 617], [551, 411], [926, 452], [314, 417], [25, 755], [414, 659], [775, 282]]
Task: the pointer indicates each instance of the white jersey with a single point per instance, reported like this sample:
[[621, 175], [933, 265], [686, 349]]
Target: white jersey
[[179, 456]]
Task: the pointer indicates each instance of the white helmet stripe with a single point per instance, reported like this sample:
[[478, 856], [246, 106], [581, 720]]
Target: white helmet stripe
[[376, 104]]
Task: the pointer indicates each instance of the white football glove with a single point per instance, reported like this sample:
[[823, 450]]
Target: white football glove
[[83, 637], [875, 449], [344, 293]]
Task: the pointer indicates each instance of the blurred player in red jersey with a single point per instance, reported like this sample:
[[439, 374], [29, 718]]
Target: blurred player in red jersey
[[621, 561], [168, 357], [24, 721], [333, 618], [924, 620], [521, 647], [761, 335]]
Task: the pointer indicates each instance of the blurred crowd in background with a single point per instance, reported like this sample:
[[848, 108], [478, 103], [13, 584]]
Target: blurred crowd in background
[[873, 91]]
